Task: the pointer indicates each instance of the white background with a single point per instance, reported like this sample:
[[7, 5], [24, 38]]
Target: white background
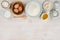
[[30, 28]]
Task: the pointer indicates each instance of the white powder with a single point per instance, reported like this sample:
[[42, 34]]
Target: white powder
[[33, 8]]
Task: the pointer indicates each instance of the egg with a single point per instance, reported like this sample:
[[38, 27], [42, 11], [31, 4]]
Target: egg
[[20, 8], [16, 5], [16, 10]]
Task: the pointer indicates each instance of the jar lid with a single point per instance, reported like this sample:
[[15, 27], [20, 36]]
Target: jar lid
[[33, 8]]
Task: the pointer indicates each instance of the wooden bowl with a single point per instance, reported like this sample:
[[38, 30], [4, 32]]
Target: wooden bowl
[[17, 7]]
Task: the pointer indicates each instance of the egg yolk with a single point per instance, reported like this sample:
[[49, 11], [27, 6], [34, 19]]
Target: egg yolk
[[44, 16]]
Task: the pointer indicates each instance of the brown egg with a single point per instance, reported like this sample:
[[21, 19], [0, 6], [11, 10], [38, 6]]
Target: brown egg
[[16, 10], [16, 5], [20, 8]]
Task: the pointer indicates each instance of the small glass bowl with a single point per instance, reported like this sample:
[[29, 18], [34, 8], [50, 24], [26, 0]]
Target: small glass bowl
[[6, 14], [47, 5], [54, 13], [56, 4], [5, 4]]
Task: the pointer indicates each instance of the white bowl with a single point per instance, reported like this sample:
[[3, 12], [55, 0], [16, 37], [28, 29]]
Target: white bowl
[[57, 4], [54, 13], [33, 8], [6, 14], [5, 4], [47, 6]]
